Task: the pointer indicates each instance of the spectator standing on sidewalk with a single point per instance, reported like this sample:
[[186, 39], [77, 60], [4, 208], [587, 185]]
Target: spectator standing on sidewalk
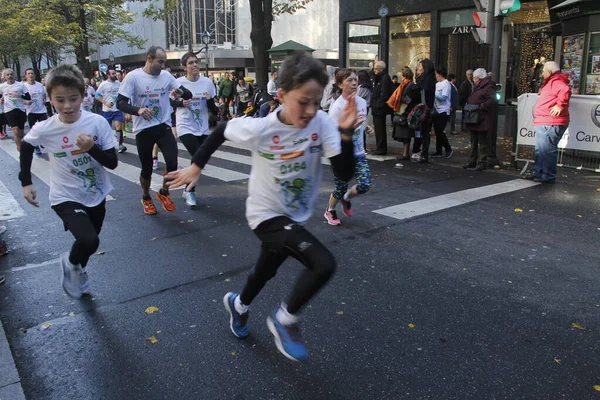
[[551, 119], [453, 104], [402, 101], [441, 112], [426, 80], [382, 90], [464, 91], [483, 96]]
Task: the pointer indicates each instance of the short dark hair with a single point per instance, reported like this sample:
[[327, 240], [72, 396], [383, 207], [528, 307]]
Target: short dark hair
[[29, 69], [451, 76], [395, 77], [65, 75], [342, 74], [407, 73], [153, 50], [186, 56], [300, 68], [441, 70]]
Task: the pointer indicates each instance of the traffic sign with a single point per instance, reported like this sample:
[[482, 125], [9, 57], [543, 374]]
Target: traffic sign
[[383, 11], [103, 67]]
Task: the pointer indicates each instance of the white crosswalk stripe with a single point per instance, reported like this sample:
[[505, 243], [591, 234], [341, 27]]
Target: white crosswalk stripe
[[9, 206]]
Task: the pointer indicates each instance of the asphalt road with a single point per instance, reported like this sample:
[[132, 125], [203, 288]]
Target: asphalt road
[[476, 301]]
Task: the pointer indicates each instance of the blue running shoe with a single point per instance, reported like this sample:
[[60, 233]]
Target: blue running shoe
[[288, 339], [237, 322]]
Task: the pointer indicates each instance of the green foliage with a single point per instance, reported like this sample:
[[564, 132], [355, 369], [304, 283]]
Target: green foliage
[[289, 7]]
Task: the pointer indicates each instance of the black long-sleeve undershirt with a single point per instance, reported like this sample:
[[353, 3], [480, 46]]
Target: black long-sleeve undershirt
[[342, 164], [124, 105], [107, 158]]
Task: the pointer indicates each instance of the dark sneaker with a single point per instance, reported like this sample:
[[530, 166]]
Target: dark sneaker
[[70, 276], [469, 165], [347, 207], [288, 339], [122, 149], [38, 152], [449, 154], [422, 160], [532, 176], [480, 167], [543, 180], [436, 155], [332, 218], [237, 322]]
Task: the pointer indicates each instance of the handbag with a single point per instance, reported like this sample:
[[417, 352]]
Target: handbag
[[472, 114], [399, 119]]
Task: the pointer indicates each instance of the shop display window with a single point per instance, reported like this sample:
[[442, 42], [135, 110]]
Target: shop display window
[[592, 83], [572, 58], [363, 43], [409, 41]]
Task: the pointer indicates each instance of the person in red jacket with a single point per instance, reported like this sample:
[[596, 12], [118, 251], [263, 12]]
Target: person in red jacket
[[551, 119]]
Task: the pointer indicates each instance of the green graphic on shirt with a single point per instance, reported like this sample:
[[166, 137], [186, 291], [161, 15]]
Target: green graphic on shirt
[[197, 114], [155, 112], [296, 193], [90, 183]]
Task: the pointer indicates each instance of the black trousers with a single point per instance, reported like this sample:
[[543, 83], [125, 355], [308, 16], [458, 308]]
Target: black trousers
[[425, 138], [85, 224], [162, 136], [281, 237], [441, 140], [33, 118], [478, 148], [192, 143], [380, 133]]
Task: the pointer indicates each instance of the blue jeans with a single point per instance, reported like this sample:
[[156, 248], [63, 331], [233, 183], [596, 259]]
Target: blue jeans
[[546, 150]]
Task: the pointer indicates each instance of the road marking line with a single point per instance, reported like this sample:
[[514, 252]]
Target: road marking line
[[9, 206], [224, 155], [31, 266], [434, 204], [10, 381]]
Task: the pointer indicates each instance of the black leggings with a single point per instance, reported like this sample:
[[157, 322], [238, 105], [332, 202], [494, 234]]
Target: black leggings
[[441, 140], [85, 224], [162, 136], [32, 118], [281, 237], [192, 143]]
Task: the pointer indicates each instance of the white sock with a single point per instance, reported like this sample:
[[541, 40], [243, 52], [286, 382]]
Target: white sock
[[239, 307], [347, 195], [284, 317], [330, 209]]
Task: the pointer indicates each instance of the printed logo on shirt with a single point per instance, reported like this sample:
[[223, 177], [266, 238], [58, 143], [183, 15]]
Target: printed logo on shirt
[[66, 146], [268, 156], [276, 147], [300, 140], [315, 149], [77, 152], [60, 155], [314, 137], [276, 139], [95, 138], [65, 139], [292, 155]]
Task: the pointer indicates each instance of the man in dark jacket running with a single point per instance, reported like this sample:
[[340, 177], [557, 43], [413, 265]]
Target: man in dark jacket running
[[382, 90]]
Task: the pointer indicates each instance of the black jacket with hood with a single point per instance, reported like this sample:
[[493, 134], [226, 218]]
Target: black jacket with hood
[[427, 82]]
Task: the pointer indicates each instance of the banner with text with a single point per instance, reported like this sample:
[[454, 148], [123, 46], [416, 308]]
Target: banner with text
[[584, 129]]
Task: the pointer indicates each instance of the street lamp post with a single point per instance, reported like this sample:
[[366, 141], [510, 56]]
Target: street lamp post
[[205, 41]]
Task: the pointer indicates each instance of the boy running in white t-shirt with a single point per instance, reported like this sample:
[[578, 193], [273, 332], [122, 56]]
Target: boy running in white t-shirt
[[347, 80], [149, 89], [81, 144], [287, 147], [192, 114]]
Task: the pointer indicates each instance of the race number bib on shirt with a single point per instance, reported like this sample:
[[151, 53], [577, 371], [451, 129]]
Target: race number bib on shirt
[[194, 119], [152, 92], [13, 96], [109, 91], [37, 91]]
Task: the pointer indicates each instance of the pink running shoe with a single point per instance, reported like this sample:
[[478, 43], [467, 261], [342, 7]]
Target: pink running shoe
[[332, 218]]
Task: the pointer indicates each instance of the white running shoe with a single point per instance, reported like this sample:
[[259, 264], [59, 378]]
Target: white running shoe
[[84, 283], [190, 198], [70, 276]]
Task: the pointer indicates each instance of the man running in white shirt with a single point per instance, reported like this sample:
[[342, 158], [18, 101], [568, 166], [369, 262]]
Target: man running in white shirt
[[36, 107], [107, 95], [12, 95], [192, 114], [145, 94]]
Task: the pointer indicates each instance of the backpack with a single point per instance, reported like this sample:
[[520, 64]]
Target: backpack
[[418, 115]]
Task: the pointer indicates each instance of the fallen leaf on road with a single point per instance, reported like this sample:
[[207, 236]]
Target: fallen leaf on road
[[340, 313], [72, 314], [597, 388], [464, 269], [153, 239], [598, 190], [151, 310], [190, 220], [46, 325], [234, 353], [100, 253], [182, 222], [24, 330], [556, 360], [152, 339], [227, 280], [411, 326], [579, 216], [518, 210], [157, 332], [577, 326]]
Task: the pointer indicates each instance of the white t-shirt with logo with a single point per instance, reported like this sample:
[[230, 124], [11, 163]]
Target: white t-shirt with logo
[[443, 89], [286, 164], [76, 176], [109, 91], [13, 96], [149, 91], [88, 99], [37, 91], [194, 120], [361, 109]]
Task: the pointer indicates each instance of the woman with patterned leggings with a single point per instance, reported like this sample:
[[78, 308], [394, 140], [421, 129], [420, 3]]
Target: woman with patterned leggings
[[348, 81]]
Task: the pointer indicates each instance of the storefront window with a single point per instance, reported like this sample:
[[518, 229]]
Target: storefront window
[[363, 43], [409, 41], [592, 83], [571, 60]]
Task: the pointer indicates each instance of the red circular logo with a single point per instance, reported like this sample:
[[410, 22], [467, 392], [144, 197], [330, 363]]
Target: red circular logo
[[276, 139], [65, 139], [314, 137], [147, 87]]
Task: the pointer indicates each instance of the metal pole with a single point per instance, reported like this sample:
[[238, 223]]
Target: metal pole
[[496, 61], [188, 5], [97, 44], [206, 53]]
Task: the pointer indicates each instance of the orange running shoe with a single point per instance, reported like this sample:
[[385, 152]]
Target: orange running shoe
[[149, 208], [166, 202]]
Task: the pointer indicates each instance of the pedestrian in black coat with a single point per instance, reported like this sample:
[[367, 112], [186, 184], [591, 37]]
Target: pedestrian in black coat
[[464, 91], [426, 80], [382, 90]]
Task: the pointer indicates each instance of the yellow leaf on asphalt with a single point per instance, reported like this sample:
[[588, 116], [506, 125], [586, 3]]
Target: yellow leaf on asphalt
[[340, 313], [157, 332], [579, 216], [411, 326], [24, 330], [46, 325], [153, 239], [151, 310], [234, 353], [190, 220], [577, 326], [597, 388], [556, 360], [227, 280], [518, 210], [152, 339], [100, 253], [598, 190]]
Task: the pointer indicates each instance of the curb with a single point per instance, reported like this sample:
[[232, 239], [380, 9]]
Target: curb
[[10, 382]]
